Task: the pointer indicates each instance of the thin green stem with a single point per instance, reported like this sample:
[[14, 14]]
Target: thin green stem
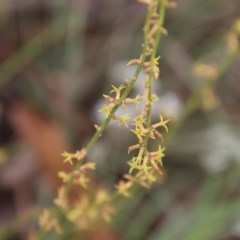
[[162, 11]]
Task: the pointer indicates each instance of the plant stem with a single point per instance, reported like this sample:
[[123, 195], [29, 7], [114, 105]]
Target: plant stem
[[162, 11]]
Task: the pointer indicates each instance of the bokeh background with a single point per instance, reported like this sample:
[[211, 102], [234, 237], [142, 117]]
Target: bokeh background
[[58, 57]]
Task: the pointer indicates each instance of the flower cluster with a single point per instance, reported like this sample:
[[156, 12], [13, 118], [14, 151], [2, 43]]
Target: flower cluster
[[96, 202], [78, 155], [89, 208], [146, 165], [49, 222]]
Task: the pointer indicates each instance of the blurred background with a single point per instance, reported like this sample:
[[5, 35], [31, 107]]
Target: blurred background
[[58, 57]]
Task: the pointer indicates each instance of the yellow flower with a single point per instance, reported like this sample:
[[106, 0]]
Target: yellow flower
[[107, 109], [162, 123], [121, 119], [123, 188], [82, 180], [64, 176], [101, 197], [134, 165], [61, 200], [68, 157], [117, 90], [158, 155], [140, 132], [73, 214], [48, 222], [88, 166]]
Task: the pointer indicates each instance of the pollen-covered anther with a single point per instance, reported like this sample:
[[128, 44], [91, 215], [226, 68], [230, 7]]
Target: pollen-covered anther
[[158, 134], [134, 147]]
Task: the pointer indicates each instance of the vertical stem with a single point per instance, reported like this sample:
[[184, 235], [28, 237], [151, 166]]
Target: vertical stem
[[149, 79]]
